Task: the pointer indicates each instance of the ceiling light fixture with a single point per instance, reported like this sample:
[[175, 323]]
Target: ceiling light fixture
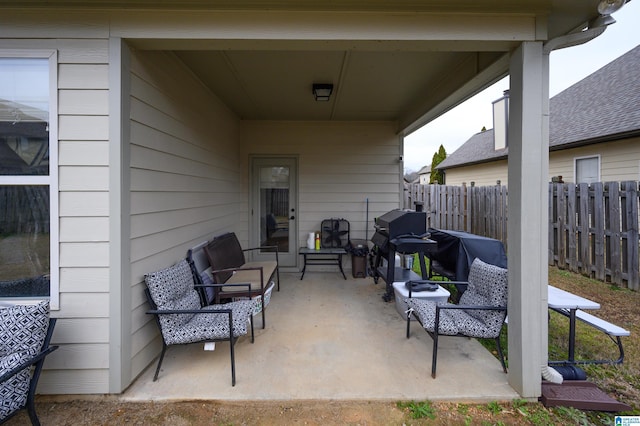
[[322, 92]]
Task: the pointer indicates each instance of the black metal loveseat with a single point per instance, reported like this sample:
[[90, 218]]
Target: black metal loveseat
[[222, 261]]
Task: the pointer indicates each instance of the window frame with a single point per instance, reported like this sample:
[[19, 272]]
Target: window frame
[[51, 179], [587, 157]]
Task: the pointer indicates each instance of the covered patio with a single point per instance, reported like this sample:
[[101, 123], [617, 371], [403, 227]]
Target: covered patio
[[329, 338], [166, 115]]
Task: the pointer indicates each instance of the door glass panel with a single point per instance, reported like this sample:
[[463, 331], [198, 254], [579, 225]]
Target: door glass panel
[[274, 207]]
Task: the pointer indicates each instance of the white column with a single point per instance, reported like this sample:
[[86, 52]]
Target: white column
[[528, 141], [120, 375]]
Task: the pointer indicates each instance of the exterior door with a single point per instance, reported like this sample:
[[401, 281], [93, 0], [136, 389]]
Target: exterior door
[[274, 208]]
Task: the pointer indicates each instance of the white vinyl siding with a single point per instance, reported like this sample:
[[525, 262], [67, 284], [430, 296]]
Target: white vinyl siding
[[185, 179], [81, 364], [340, 166]]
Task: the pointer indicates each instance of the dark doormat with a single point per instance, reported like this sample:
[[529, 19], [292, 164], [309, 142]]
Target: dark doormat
[[579, 394]]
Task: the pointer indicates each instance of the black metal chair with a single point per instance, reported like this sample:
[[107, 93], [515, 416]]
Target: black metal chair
[[176, 305], [25, 335], [480, 313]]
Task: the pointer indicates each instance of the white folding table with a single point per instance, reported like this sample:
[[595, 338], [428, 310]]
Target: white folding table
[[567, 304]]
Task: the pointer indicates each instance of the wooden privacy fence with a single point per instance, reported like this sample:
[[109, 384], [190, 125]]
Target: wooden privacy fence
[[480, 210], [593, 229]]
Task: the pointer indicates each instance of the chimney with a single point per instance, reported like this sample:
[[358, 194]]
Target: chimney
[[501, 121]]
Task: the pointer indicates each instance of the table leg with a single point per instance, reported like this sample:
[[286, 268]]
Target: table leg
[[391, 270], [572, 335], [304, 267]]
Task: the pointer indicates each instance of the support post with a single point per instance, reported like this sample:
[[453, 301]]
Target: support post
[[528, 164]]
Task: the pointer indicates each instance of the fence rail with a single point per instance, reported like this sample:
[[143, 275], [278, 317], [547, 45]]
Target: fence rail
[[593, 229]]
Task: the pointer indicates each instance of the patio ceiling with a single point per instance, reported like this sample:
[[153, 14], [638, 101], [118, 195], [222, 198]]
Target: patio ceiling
[[407, 61], [368, 85]]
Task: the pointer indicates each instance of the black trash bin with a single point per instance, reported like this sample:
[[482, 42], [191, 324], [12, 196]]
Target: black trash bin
[[358, 250]]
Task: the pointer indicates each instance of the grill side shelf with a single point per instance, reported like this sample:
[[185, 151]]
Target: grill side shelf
[[399, 274]]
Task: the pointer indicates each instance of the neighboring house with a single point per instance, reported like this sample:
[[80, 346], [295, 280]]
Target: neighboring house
[[594, 133], [166, 123], [424, 175]]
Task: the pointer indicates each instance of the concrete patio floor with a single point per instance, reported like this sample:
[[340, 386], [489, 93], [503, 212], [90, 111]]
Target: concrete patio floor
[[329, 339]]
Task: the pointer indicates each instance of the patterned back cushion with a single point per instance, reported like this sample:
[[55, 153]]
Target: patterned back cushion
[[172, 288], [488, 285], [23, 328]]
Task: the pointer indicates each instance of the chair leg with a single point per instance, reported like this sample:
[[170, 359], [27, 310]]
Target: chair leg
[[408, 323], [251, 322], [434, 359], [434, 336], [504, 365], [31, 409], [164, 349], [232, 342], [264, 308]]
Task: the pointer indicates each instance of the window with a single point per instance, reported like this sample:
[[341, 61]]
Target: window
[[28, 177], [587, 169]]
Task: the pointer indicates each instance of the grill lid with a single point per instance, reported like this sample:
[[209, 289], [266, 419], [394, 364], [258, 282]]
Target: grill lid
[[402, 222]]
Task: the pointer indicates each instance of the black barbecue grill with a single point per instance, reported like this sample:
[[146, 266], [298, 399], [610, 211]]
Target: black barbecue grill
[[403, 232]]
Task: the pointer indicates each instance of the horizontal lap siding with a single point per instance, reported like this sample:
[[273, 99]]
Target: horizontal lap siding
[[619, 160], [481, 174], [340, 166], [184, 178], [81, 364]]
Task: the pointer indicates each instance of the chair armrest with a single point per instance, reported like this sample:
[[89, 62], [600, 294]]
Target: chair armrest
[[476, 307], [27, 363], [253, 268], [188, 311], [460, 283], [262, 248], [240, 268], [248, 285]]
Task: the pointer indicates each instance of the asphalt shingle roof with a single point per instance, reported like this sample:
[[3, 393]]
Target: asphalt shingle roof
[[603, 106]]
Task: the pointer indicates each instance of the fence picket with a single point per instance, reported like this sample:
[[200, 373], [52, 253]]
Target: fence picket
[[584, 260], [593, 229], [598, 232]]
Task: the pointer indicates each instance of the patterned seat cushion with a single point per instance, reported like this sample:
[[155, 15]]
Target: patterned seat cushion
[[487, 287], [173, 288], [13, 392], [22, 333]]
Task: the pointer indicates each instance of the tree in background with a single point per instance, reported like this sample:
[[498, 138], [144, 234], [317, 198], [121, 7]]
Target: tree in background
[[438, 157]]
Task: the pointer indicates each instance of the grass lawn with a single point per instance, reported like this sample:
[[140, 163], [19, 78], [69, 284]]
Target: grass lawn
[[618, 306]]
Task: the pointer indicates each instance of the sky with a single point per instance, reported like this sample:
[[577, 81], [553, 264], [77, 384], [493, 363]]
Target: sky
[[567, 67]]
